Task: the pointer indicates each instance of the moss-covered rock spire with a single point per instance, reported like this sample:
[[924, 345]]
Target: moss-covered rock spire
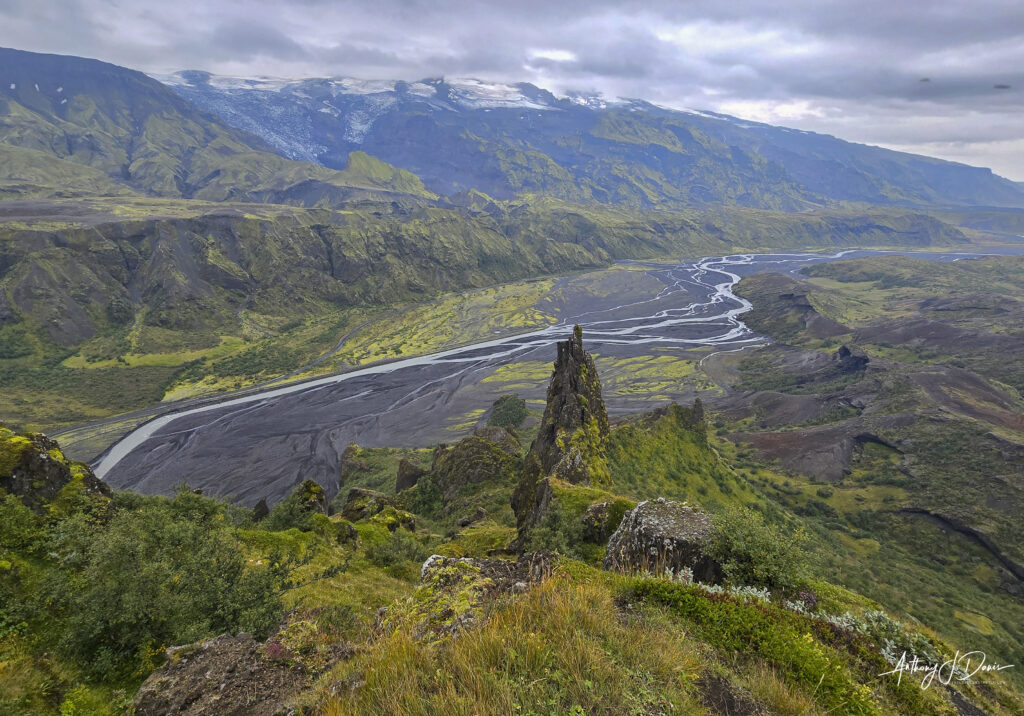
[[573, 434]]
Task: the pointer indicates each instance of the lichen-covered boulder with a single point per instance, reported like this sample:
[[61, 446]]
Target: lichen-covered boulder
[[408, 475], [33, 468], [362, 503], [662, 534], [452, 590]]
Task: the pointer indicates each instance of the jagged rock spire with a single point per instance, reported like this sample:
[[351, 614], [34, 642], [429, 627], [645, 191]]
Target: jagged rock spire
[[574, 431]]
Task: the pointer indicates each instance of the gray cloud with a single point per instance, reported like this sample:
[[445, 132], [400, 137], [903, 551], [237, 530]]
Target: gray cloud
[[848, 68]]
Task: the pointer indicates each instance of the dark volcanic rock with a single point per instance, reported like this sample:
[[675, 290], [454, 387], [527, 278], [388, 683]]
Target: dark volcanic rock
[[573, 434], [821, 453], [223, 676], [661, 534], [408, 475], [849, 360], [33, 468], [596, 520], [261, 510], [543, 494], [466, 521], [312, 497], [362, 503], [350, 463], [488, 455]]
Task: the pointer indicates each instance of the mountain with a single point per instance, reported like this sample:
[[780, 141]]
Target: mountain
[[514, 140], [71, 126]]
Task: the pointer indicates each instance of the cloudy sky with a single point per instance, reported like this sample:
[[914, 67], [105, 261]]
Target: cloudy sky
[[930, 76]]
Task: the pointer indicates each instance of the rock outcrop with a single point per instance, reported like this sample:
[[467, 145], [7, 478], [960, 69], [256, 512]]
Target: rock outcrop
[[488, 455], [850, 360], [408, 475], [597, 522], [311, 497], [33, 468], [466, 521], [350, 463], [362, 503], [573, 435], [661, 534], [453, 591]]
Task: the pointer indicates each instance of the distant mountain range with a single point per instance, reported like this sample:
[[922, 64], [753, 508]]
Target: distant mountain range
[[511, 140], [71, 127]]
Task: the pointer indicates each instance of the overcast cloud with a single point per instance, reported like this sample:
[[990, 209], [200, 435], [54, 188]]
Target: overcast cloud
[[929, 76]]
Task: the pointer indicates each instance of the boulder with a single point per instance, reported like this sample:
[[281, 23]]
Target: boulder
[[661, 534], [408, 475], [466, 521], [454, 590]]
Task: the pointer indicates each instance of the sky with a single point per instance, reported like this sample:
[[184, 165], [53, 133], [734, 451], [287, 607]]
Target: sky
[[932, 77]]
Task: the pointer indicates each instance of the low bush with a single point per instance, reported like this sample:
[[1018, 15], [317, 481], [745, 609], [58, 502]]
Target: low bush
[[754, 552], [509, 411]]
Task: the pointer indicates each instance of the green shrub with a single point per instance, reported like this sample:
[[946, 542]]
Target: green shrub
[[292, 511], [398, 549], [20, 529], [783, 639], [756, 553], [165, 572], [508, 411], [560, 531]]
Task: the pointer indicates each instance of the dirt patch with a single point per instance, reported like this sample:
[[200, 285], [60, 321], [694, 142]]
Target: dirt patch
[[224, 676], [820, 453], [965, 393], [723, 697]]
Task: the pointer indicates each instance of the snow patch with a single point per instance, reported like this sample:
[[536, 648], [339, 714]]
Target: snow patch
[[699, 113]]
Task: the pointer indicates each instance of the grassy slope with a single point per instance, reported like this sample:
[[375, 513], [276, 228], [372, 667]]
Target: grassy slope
[[958, 462], [584, 640]]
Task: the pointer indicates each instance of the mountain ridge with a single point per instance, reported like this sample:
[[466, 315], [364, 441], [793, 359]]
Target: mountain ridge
[[317, 117], [146, 139]]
